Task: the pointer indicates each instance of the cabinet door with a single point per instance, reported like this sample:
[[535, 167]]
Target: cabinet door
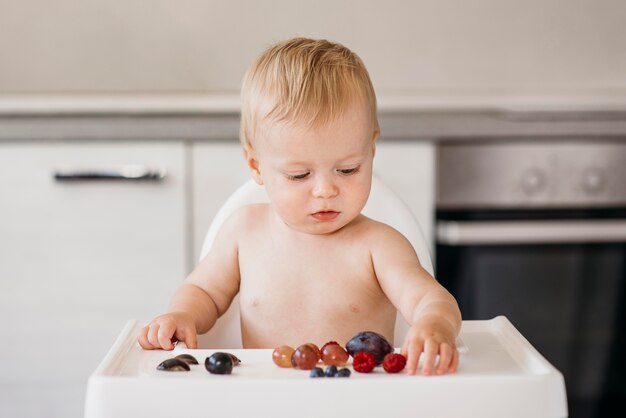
[[77, 260], [408, 168], [219, 168]]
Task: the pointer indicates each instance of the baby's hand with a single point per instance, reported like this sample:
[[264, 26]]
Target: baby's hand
[[431, 335], [164, 329]]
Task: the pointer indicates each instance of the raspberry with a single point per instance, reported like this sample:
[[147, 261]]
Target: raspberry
[[363, 362], [327, 344], [393, 363]]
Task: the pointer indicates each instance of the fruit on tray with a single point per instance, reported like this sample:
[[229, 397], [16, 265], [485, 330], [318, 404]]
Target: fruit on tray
[[187, 358], [335, 355], [329, 343], [394, 363], [304, 357], [282, 356], [370, 342], [235, 359], [219, 363], [331, 371], [316, 372], [173, 365], [363, 362], [343, 373], [316, 349]]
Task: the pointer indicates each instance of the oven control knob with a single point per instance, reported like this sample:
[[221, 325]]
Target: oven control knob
[[533, 181], [594, 180]]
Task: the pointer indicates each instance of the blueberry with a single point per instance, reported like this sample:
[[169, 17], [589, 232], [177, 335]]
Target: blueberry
[[343, 373], [331, 371], [316, 372], [219, 363]]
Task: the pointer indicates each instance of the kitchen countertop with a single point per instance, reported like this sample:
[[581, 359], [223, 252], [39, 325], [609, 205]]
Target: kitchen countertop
[[216, 117]]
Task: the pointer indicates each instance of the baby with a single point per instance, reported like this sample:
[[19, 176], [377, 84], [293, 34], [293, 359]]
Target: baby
[[309, 267]]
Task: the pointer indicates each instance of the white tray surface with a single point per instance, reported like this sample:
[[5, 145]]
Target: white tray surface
[[500, 374]]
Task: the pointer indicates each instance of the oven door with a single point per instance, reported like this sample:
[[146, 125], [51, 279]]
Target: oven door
[[559, 276]]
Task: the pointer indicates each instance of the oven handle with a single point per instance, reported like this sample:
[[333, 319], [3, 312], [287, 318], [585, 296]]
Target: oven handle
[[531, 232]]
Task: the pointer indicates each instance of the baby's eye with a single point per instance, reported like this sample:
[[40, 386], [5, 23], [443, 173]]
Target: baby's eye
[[297, 176], [348, 171]]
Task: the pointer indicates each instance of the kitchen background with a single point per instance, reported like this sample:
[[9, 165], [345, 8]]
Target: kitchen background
[[113, 89]]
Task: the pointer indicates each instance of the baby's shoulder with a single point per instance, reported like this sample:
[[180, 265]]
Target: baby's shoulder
[[247, 217], [239, 221], [376, 233], [236, 226]]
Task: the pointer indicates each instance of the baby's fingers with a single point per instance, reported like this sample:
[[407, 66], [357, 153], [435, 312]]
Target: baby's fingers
[[412, 353], [153, 337], [430, 353], [165, 334], [455, 361], [188, 336], [445, 358], [142, 339]]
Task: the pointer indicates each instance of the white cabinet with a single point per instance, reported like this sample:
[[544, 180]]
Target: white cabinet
[[219, 168], [77, 260]]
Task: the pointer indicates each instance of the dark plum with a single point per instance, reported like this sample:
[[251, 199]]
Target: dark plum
[[370, 342]]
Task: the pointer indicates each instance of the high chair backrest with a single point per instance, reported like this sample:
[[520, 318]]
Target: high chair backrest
[[383, 205]]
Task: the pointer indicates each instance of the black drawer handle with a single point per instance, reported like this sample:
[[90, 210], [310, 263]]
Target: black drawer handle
[[131, 173]]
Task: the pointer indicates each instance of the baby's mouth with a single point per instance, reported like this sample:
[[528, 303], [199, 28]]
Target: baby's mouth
[[325, 215]]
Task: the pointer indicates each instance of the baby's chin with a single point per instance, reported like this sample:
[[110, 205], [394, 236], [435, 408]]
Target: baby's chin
[[320, 228]]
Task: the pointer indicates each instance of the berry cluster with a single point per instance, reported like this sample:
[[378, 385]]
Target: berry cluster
[[331, 371], [307, 356], [365, 362], [368, 350]]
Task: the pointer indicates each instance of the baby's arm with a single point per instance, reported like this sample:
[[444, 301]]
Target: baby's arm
[[427, 306], [203, 297]]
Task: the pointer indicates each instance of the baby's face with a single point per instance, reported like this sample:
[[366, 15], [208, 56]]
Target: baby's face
[[318, 180]]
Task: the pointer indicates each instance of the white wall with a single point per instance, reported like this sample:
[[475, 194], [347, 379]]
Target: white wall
[[433, 46]]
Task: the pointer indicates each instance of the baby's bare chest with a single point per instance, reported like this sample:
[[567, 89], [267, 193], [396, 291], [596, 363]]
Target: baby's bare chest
[[308, 291], [336, 276]]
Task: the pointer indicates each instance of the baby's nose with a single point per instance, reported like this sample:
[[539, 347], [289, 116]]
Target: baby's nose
[[325, 188]]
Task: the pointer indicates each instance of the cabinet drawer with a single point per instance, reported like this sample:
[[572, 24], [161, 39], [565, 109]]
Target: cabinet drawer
[[79, 258]]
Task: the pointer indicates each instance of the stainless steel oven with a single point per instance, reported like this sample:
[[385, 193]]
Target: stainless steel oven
[[536, 231]]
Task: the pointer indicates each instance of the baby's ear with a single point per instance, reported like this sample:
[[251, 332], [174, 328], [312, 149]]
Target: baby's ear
[[374, 140], [253, 164]]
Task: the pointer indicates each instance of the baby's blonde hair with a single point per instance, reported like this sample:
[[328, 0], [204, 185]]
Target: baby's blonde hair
[[304, 81]]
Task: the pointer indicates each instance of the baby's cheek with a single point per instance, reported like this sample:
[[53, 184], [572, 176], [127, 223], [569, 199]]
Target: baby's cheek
[[289, 208]]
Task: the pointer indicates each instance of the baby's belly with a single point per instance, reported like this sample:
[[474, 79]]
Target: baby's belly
[[268, 323]]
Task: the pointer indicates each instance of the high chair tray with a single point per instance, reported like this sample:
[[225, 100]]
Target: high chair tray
[[500, 375]]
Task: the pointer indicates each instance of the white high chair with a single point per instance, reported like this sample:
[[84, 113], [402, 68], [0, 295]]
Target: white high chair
[[383, 205]]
